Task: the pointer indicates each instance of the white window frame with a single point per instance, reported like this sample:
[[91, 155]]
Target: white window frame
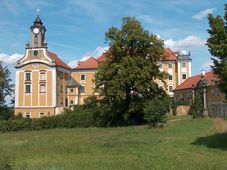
[[27, 113], [185, 76], [169, 65], [169, 88], [40, 76], [25, 76], [171, 77], [84, 77], [25, 88], [84, 89], [43, 114], [40, 88]]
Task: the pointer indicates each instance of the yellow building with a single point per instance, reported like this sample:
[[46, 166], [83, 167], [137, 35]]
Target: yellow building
[[41, 78], [45, 85]]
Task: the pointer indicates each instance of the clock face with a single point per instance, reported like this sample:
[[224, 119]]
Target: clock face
[[36, 30]]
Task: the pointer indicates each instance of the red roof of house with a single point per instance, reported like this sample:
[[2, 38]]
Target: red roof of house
[[187, 84], [169, 55], [90, 63], [101, 58], [58, 61]]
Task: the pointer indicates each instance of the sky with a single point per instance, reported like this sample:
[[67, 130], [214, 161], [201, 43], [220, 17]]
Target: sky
[[76, 28]]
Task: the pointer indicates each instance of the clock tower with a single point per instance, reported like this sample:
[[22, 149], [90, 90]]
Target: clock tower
[[38, 34]]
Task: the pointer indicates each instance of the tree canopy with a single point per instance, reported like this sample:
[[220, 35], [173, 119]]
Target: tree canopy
[[5, 85], [217, 44], [127, 78]]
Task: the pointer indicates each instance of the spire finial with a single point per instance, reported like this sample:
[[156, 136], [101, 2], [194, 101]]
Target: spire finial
[[37, 11]]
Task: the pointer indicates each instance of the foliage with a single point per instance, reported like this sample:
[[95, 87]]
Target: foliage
[[6, 113], [6, 88], [126, 79], [217, 43], [156, 109], [69, 119], [196, 108]]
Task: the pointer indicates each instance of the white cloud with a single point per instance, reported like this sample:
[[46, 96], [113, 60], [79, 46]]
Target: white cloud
[[73, 63], [97, 52], [207, 66], [10, 59], [190, 41], [203, 14]]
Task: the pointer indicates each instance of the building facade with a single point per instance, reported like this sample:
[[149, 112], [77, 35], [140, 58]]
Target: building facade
[[45, 85], [41, 78], [203, 85]]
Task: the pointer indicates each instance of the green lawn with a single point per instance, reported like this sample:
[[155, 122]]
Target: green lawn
[[184, 144]]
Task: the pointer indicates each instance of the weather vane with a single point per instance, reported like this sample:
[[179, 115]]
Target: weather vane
[[38, 11]]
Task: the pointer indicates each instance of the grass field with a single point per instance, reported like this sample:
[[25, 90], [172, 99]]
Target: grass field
[[184, 144]]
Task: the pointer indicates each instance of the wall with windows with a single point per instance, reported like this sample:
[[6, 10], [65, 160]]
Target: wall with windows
[[86, 80]]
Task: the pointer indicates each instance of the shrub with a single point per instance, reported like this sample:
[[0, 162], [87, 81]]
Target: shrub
[[196, 108], [155, 111]]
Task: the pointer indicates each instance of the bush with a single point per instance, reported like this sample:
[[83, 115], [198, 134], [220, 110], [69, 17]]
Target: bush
[[6, 113], [196, 108], [155, 111]]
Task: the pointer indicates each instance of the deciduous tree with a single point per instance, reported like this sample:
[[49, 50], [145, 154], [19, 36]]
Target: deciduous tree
[[127, 77], [217, 43]]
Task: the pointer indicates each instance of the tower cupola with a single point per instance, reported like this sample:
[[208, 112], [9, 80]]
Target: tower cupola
[[38, 34]]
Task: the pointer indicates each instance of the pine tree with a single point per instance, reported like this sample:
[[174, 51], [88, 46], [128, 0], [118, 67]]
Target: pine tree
[[217, 44], [127, 77]]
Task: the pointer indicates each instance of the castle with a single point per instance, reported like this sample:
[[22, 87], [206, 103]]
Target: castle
[[45, 85]]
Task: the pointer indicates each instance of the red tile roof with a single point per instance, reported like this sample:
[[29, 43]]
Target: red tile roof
[[90, 63], [169, 55], [58, 61], [101, 58], [187, 84]]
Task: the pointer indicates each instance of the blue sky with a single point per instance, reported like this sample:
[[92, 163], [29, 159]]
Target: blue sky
[[76, 28]]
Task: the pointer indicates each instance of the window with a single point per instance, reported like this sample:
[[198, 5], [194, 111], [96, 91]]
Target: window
[[71, 90], [36, 40], [28, 76], [42, 88], [27, 88], [82, 77], [183, 65], [170, 77], [170, 66], [61, 88], [160, 66], [82, 89], [42, 76], [71, 102], [170, 88], [41, 115], [28, 115], [184, 76]]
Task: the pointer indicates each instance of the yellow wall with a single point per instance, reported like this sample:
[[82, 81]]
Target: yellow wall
[[35, 111]]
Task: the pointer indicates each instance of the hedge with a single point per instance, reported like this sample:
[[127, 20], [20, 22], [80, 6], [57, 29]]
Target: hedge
[[66, 120]]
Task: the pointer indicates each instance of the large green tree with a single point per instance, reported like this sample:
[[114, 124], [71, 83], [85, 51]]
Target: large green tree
[[127, 78], [217, 43]]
